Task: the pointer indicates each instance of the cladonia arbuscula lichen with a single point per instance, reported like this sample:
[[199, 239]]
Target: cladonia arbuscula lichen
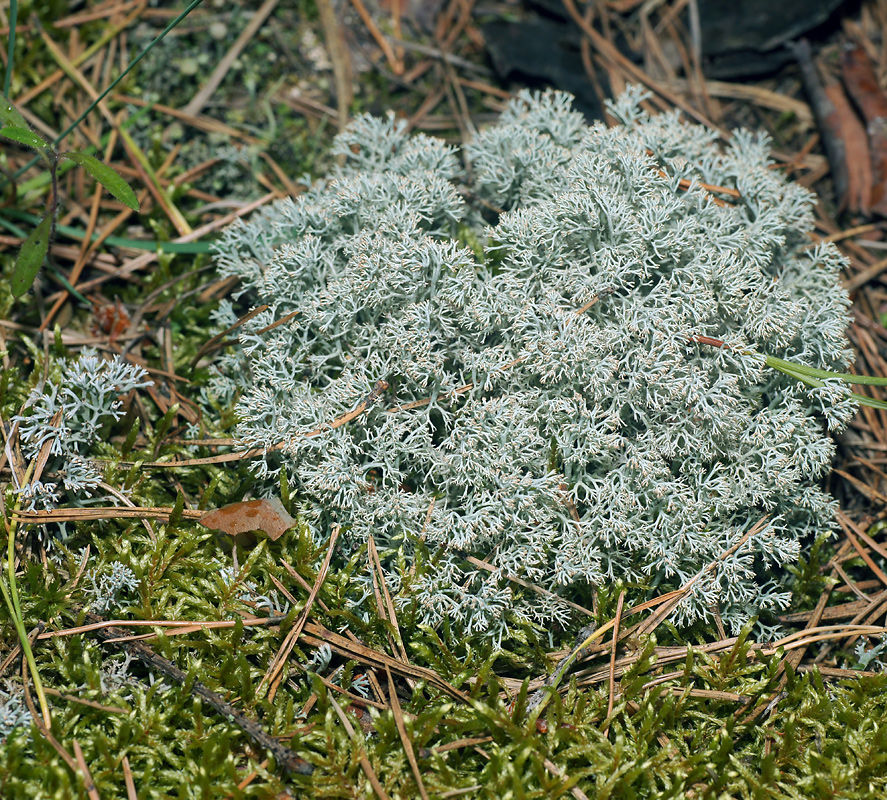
[[529, 305]]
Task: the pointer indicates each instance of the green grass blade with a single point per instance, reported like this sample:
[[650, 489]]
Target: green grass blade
[[847, 377], [787, 368], [807, 375], [152, 245], [871, 402], [10, 52]]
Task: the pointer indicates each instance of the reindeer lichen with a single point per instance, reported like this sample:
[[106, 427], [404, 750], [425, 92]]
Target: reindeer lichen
[[510, 341]]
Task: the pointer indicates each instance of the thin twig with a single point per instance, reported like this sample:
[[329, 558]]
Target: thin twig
[[284, 756], [404, 736]]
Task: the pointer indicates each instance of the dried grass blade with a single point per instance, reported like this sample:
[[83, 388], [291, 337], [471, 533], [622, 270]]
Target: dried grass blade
[[667, 605], [102, 512], [303, 583], [343, 69], [71, 698], [364, 761], [202, 122], [824, 633], [662, 613], [109, 35], [87, 246], [866, 617], [393, 62], [460, 743], [197, 103], [386, 607], [316, 635], [879, 549], [849, 527], [353, 699], [46, 448], [137, 157], [272, 677], [611, 53], [141, 261], [210, 344], [152, 182], [557, 771], [867, 491], [89, 783], [485, 565], [148, 623], [612, 688], [751, 93], [404, 737], [283, 590], [843, 611], [131, 793], [39, 722]]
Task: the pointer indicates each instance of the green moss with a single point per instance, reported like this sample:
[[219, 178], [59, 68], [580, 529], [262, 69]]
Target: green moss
[[817, 741]]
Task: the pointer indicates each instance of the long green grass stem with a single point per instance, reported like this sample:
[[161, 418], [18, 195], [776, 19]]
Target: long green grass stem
[[13, 603], [10, 53], [811, 376], [88, 110]]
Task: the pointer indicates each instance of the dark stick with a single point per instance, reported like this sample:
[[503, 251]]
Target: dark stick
[[284, 757], [825, 113]]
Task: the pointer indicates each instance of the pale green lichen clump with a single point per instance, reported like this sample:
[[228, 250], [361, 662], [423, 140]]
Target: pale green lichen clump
[[567, 449], [64, 419]]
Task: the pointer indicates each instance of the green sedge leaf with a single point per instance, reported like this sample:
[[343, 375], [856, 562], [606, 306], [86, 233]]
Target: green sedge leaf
[[106, 176], [871, 402], [30, 259], [865, 380], [809, 380], [10, 115], [787, 368], [24, 136]]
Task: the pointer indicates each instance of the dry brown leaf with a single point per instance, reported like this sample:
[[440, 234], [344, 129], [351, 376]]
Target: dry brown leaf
[[862, 85], [250, 515], [849, 130]]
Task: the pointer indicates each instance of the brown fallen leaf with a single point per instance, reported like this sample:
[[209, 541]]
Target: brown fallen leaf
[[250, 515], [878, 145], [857, 159], [862, 85]]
